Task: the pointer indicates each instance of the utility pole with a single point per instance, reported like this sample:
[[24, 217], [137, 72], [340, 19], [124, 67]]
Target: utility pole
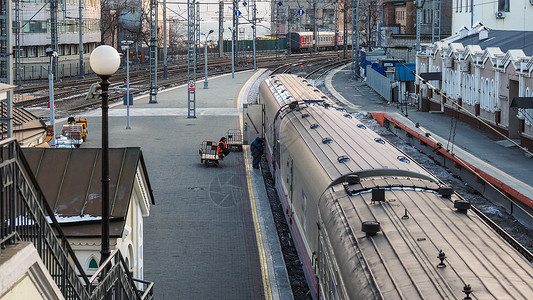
[[191, 58], [435, 32], [17, 49], [80, 40], [254, 25], [153, 51], [345, 28], [6, 62], [220, 28], [418, 23], [315, 37], [53, 35], [165, 66], [355, 39]]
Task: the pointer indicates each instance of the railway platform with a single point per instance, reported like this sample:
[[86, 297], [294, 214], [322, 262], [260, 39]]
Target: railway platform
[[211, 233], [465, 147]]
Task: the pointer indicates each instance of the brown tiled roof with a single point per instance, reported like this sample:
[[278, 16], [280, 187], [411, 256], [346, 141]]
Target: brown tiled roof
[[70, 181]]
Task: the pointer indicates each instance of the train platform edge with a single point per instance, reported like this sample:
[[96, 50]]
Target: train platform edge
[[275, 277], [216, 215], [474, 155]]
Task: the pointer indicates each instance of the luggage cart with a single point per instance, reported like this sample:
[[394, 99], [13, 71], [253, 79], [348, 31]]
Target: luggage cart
[[234, 140], [208, 154]]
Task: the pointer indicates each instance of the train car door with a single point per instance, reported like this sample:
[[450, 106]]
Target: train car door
[[252, 122]]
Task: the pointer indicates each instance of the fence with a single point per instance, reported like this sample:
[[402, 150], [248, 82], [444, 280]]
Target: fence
[[379, 83]]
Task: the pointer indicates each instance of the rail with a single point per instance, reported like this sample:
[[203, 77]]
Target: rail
[[25, 215]]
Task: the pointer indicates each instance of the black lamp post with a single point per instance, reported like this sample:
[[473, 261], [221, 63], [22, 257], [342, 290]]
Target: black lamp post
[[105, 61]]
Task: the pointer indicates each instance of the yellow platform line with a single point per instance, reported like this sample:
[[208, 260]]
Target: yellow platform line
[[257, 227]]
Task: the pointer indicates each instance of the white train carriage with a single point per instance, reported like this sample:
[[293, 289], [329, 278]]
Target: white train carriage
[[368, 222]]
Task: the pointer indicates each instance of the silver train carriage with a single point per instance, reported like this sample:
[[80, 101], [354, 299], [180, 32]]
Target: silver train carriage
[[368, 221]]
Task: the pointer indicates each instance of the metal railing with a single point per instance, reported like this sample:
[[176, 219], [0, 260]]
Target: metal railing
[[25, 215]]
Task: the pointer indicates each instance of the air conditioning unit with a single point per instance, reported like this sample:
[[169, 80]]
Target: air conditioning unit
[[464, 66], [500, 15]]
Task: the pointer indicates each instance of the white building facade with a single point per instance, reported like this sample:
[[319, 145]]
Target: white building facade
[[36, 31], [497, 14], [479, 86]]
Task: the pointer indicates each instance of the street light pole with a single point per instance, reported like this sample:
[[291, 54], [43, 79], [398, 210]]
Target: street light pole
[[205, 56], [126, 47], [105, 61], [51, 53]]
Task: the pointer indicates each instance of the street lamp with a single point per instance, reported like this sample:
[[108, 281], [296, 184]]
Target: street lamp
[[51, 53], [205, 54], [126, 47], [105, 61], [232, 51]]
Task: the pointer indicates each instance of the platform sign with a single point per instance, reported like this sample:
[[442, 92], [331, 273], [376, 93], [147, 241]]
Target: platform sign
[[238, 13], [192, 85], [301, 12]]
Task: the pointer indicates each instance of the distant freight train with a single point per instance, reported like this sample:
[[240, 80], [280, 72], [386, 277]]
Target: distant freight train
[[368, 221]]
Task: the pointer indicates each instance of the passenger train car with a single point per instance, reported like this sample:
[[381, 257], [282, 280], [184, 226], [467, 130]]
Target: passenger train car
[[303, 41], [367, 220]]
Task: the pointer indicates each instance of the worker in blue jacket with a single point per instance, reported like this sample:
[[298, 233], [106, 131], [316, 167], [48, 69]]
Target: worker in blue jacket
[[257, 148]]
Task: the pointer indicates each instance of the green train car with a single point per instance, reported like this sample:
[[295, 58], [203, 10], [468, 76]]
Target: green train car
[[260, 45]]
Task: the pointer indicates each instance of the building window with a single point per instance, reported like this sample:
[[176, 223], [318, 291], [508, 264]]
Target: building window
[[503, 5]]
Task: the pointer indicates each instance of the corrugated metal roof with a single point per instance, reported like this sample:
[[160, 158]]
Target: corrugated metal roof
[[402, 258], [403, 72], [503, 39], [70, 181]]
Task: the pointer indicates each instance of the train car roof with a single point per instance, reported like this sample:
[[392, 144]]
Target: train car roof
[[339, 141], [401, 261]]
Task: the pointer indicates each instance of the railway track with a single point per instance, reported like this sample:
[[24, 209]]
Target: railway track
[[70, 95]]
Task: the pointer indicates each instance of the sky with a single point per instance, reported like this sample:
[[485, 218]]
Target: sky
[[209, 17]]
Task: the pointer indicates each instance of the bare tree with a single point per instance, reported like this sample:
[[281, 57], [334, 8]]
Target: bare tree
[[111, 11]]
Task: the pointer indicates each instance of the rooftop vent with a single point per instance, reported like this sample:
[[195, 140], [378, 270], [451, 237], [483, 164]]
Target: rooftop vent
[[343, 159], [361, 126], [293, 105], [467, 290], [313, 126], [371, 228], [442, 257], [305, 116], [348, 116], [462, 206], [327, 140], [340, 109], [378, 195], [403, 159], [446, 191], [379, 141], [316, 91], [353, 179]]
